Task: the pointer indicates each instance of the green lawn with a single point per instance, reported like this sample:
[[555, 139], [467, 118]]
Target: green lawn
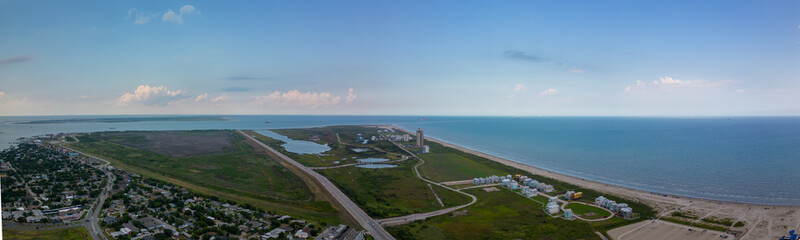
[[239, 173], [588, 212], [496, 215], [67, 233]]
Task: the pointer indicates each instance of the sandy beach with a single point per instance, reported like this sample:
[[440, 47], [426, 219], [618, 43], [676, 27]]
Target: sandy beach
[[761, 221]]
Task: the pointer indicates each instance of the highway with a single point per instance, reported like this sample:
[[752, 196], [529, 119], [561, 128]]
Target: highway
[[369, 224]]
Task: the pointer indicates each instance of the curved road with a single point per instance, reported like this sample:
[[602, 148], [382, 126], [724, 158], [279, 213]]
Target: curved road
[[421, 216], [375, 229]]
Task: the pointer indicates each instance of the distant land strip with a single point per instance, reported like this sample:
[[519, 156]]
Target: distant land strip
[[125, 119]]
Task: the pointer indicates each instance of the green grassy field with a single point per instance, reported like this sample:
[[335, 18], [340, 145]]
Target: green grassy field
[[239, 173], [588, 212], [447, 164], [391, 192], [382, 193], [496, 215], [66, 234], [450, 166]]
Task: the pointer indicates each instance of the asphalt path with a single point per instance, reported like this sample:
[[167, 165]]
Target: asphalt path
[[421, 216]]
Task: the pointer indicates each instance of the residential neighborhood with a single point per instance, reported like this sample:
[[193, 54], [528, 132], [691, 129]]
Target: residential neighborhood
[[46, 185], [42, 183]]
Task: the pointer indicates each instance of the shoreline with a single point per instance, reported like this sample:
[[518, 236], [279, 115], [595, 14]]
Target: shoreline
[[763, 221], [572, 179]]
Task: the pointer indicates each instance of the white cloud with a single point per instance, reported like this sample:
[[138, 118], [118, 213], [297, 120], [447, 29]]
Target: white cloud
[[519, 87], [576, 70], [2, 94], [140, 17], [85, 97], [549, 91], [739, 90], [219, 99], [186, 10], [201, 97], [171, 16], [666, 82], [350, 96], [303, 99], [148, 95], [670, 81]]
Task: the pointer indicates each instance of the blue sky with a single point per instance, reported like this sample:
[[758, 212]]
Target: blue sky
[[400, 58]]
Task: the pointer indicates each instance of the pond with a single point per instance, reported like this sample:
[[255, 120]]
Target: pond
[[360, 150], [372, 160], [297, 146], [376, 166]]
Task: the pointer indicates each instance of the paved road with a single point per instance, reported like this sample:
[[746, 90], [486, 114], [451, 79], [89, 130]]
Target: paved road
[[375, 229], [421, 216], [93, 223]]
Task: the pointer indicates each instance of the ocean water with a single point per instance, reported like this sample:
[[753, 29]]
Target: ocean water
[[739, 159]]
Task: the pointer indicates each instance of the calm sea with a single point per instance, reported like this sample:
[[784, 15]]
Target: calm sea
[[740, 159]]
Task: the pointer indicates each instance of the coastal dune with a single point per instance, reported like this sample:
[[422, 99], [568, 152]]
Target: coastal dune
[[761, 221]]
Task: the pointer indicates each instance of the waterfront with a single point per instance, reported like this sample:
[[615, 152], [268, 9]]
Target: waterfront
[[741, 159]]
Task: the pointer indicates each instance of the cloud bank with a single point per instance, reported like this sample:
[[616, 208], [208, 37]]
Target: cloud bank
[[148, 95], [304, 99], [667, 82]]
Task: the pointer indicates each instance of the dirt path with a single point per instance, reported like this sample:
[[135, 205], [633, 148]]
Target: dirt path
[[436, 195]]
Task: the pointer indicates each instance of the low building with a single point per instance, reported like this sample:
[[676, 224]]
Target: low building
[[332, 232], [568, 214], [569, 194], [577, 195], [302, 233], [626, 212], [552, 208], [275, 233], [353, 234]]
